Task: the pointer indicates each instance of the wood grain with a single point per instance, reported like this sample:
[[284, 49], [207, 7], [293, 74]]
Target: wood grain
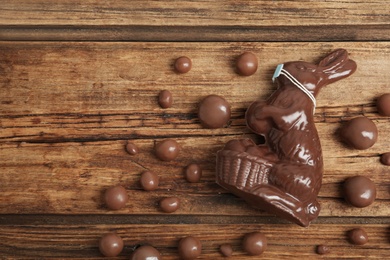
[[308, 20], [80, 241], [78, 79]]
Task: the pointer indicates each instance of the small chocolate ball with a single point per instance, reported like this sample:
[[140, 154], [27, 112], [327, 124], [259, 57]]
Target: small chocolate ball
[[167, 150], [226, 250], [360, 133], [247, 64], [116, 197], [254, 243], [183, 64], [383, 104], [193, 173], [165, 99], [322, 250], [214, 112], [385, 158], [146, 253], [189, 248], [131, 148], [149, 181], [111, 245], [359, 191], [170, 204], [358, 236]]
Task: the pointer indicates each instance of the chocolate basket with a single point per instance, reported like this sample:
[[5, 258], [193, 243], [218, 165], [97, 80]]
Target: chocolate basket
[[241, 170]]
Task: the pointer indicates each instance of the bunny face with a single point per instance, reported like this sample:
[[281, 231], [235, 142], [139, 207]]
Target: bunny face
[[333, 67]]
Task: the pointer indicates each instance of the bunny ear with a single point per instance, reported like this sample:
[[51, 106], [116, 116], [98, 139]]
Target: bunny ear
[[333, 60]]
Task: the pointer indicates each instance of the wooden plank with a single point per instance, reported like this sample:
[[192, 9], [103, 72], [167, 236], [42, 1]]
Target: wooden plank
[[284, 241], [65, 122], [205, 20]]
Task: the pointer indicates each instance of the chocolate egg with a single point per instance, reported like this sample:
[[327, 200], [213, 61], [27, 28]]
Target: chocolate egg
[[131, 148], [360, 133], [226, 250], [167, 150], [359, 191], [214, 112], [115, 197], [358, 236], [111, 245], [165, 99], [189, 248], [183, 64], [170, 204], [193, 173], [385, 158], [254, 243], [149, 181], [247, 64]]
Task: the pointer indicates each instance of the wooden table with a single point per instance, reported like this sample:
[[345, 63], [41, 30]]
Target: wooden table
[[78, 79]]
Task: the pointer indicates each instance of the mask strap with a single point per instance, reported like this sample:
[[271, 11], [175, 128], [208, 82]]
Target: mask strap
[[280, 71]]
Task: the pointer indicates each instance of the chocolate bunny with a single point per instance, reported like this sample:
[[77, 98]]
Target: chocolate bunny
[[287, 123]]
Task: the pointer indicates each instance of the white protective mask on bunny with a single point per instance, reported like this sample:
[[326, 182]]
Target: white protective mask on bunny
[[280, 71]]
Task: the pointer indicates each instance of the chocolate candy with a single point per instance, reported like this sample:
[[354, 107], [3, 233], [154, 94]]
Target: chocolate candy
[[170, 204], [284, 176], [183, 64], [322, 250], [360, 133], [149, 181], [214, 112], [111, 245], [359, 191], [385, 158], [146, 253], [165, 99], [189, 248], [193, 173], [254, 243], [383, 104], [358, 236], [247, 64], [131, 148], [226, 250], [167, 150], [115, 197]]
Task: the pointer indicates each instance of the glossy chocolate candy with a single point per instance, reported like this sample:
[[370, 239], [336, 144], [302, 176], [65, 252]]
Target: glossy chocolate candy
[[359, 191], [247, 64], [146, 252], [284, 176], [193, 172], [116, 197], [254, 243], [149, 180], [358, 236], [165, 99], [111, 245], [167, 150], [214, 112], [383, 104], [360, 133], [183, 64], [189, 248]]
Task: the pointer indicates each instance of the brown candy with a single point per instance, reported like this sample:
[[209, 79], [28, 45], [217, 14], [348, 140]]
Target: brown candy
[[193, 173], [131, 148], [359, 191], [383, 104], [214, 112], [385, 158], [111, 245], [167, 150], [254, 243], [189, 248], [170, 204], [360, 133], [183, 64], [322, 249], [115, 197], [165, 99], [358, 236], [149, 181], [226, 250], [247, 64], [146, 253]]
